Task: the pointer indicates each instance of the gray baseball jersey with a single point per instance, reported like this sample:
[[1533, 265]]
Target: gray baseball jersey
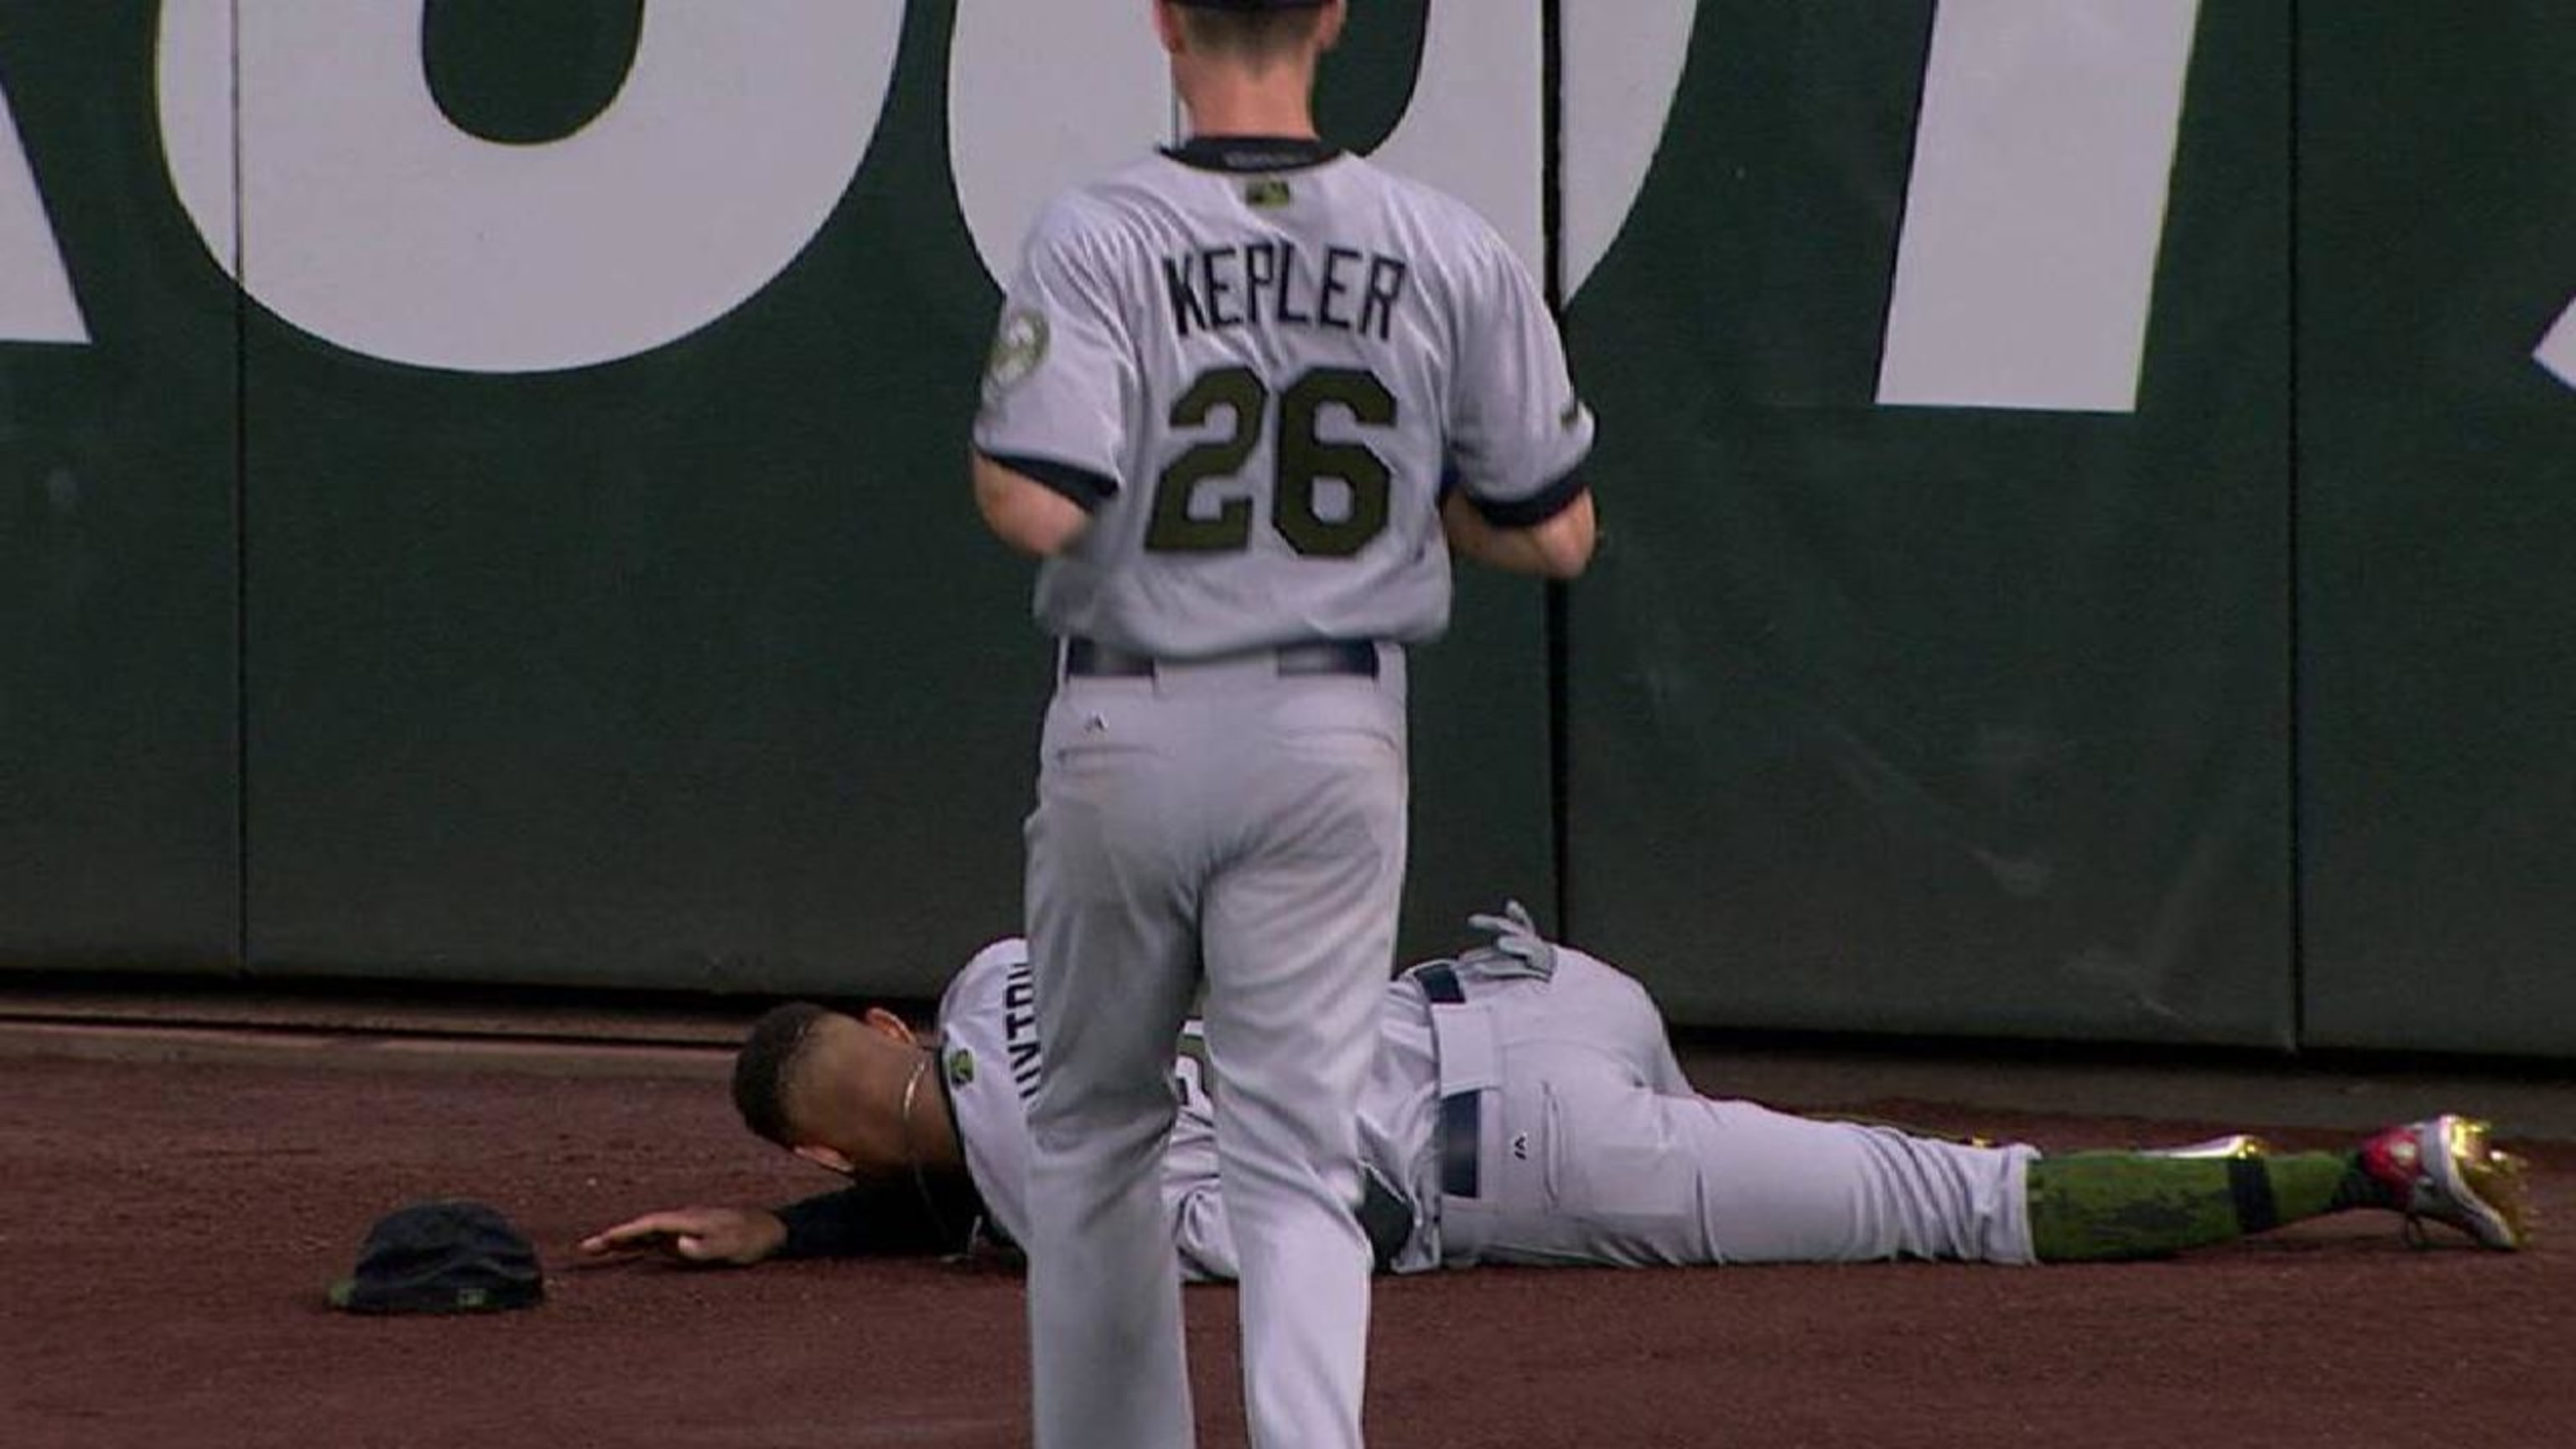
[[1257, 381], [1592, 1147]]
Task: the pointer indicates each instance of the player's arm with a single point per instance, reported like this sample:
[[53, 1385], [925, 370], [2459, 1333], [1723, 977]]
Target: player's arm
[[861, 1220], [1556, 548], [715, 1236], [1518, 435], [1025, 513], [1050, 437]]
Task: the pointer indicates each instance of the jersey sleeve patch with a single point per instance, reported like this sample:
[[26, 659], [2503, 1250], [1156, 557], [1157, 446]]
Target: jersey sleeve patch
[[1019, 345]]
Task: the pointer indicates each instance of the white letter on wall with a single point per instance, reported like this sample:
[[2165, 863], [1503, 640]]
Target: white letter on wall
[[2557, 351], [2037, 204], [1623, 65], [1473, 129], [1046, 97], [36, 302], [1042, 97], [369, 220]]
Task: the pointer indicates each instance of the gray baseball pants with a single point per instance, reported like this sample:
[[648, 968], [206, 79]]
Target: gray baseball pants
[[1593, 1148], [1225, 824]]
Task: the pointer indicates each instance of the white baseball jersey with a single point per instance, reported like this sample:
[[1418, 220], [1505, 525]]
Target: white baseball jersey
[[989, 1053], [1260, 381], [1594, 1149]]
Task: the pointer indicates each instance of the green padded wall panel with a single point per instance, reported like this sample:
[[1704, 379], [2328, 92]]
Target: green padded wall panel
[[1931, 718], [2437, 247], [119, 792]]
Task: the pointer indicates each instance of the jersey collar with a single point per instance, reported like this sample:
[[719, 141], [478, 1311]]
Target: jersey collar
[[1251, 153]]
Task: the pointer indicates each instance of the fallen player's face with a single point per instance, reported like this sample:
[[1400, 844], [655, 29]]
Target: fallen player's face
[[865, 1069]]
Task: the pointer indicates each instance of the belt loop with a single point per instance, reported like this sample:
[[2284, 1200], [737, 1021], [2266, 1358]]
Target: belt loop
[[1440, 983]]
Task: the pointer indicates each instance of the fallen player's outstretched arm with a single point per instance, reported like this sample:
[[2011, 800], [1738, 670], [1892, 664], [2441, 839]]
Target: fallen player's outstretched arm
[[735, 1236], [860, 1220]]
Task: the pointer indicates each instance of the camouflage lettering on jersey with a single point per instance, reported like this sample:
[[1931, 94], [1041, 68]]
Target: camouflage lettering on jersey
[[1215, 289], [1020, 1027]]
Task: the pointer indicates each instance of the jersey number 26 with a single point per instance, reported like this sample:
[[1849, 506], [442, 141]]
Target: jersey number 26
[[1301, 462]]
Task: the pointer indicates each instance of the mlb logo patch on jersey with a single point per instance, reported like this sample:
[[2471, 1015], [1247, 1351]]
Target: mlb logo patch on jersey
[[1266, 193]]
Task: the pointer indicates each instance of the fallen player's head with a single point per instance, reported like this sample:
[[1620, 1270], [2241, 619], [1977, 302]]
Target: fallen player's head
[[829, 1086]]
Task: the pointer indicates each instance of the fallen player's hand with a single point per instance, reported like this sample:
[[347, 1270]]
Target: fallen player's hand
[[1517, 948], [737, 1236]]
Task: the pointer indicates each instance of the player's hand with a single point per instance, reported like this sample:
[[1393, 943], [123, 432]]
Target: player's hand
[[712, 1235], [1517, 948]]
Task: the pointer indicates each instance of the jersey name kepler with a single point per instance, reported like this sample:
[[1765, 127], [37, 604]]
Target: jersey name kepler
[[1217, 288]]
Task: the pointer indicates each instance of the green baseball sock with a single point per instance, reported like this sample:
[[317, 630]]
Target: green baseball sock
[[2099, 1206]]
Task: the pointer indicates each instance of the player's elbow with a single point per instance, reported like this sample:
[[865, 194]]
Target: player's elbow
[[1024, 513], [1562, 546]]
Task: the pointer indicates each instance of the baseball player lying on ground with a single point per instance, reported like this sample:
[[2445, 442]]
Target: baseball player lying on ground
[[1524, 1107]]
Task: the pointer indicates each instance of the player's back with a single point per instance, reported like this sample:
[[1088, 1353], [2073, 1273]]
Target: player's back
[[1291, 323]]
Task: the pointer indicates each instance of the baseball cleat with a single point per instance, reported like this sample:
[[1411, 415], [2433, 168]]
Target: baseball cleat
[[2443, 1168], [2233, 1145]]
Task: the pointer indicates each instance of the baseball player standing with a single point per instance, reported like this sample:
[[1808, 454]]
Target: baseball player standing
[[1240, 394]]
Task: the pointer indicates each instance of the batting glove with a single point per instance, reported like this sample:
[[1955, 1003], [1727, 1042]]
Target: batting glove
[[1516, 950]]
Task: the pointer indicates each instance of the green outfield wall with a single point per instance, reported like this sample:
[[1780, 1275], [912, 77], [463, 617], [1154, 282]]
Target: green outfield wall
[[120, 483], [2437, 512], [481, 497], [1968, 714]]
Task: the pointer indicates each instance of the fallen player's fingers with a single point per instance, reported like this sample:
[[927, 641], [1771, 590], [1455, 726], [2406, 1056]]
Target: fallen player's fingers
[[636, 1233]]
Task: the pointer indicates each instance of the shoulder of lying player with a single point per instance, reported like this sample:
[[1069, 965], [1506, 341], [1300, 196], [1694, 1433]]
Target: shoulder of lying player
[[984, 981], [1000, 953]]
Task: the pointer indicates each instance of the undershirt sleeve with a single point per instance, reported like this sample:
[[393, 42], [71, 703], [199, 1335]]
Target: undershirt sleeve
[[875, 1219]]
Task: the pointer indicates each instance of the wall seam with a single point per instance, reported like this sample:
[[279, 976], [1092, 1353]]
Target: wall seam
[[2293, 646], [1558, 601], [241, 529]]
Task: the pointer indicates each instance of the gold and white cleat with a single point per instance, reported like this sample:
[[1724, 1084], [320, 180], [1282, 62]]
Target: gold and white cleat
[[2445, 1169]]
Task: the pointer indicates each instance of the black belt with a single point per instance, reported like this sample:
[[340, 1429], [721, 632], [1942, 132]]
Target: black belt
[[1091, 659], [1461, 1113]]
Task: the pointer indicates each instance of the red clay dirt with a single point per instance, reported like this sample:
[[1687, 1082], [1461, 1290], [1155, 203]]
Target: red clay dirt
[[170, 1228]]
